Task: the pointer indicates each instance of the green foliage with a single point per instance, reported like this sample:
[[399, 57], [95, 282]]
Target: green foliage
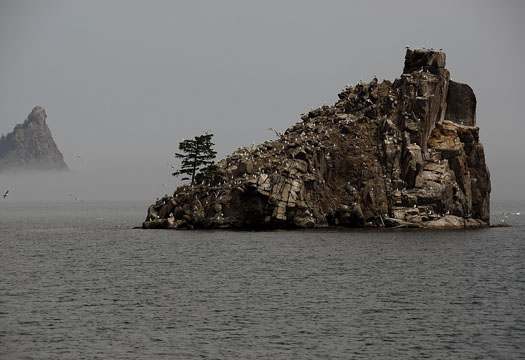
[[197, 154], [208, 175]]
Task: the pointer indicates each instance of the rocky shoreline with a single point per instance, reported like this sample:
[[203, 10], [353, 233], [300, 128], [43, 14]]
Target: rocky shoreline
[[392, 154]]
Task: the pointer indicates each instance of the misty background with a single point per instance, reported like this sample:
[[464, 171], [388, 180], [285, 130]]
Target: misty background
[[123, 82]]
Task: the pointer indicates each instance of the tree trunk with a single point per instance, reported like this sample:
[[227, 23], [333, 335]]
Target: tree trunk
[[194, 169], [194, 163]]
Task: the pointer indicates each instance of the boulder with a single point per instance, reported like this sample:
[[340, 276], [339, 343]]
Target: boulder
[[446, 222]]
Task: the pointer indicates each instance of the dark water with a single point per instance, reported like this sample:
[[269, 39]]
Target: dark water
[[78, 283]]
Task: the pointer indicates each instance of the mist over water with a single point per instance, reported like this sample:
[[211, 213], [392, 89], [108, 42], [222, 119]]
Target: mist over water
[[88, 186]]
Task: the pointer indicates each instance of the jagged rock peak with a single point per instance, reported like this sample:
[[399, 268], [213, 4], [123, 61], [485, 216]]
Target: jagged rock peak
[[432, 61], [30, 146], [38, 115], [392, 154]]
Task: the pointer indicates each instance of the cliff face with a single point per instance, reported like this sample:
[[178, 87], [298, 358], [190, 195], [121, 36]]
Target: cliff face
[[402, 153], [30, 146]]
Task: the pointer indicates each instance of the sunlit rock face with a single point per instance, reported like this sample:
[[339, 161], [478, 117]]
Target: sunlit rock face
[[30, 146], [392, 154]]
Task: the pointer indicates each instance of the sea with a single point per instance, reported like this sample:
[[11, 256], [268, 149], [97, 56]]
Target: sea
[[78, 282]]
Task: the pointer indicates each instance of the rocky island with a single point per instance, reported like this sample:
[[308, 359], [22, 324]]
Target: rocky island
[[392, 154], [30, 146]]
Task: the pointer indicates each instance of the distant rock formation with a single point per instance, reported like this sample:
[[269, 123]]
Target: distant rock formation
[[390, 154], [30, 146]]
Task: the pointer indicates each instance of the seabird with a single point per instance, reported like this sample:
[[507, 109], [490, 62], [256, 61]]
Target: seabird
[[78, 156], [6, 193], [77, 199]]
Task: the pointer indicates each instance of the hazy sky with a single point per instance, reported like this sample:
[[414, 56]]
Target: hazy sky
[[124, 81]]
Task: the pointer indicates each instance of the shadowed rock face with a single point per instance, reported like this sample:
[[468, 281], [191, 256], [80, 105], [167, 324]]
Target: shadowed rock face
[[461, 104], [385, 154], [30, 146]]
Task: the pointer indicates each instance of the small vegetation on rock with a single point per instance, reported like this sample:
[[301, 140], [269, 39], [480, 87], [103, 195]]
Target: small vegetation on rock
[[198, 157]]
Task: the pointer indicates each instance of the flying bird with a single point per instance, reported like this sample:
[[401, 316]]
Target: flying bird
[[78, 156], [75, 197], [6, 193]]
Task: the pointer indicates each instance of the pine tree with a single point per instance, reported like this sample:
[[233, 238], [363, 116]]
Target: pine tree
[[197, 154]]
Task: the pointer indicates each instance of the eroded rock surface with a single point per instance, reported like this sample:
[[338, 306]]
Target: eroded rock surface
[[30, 146], [385, 154]]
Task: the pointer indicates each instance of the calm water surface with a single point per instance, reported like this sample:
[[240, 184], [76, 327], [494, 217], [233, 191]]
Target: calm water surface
[[76, 282]]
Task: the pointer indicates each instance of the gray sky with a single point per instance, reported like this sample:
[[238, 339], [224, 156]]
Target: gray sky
[[124, 81]]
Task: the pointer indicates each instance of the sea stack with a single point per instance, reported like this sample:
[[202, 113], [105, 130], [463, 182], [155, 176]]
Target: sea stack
[[30, 146], [392, 154]]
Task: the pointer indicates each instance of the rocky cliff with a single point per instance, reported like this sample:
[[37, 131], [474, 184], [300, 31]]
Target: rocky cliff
[[395, 154], [30, 146]]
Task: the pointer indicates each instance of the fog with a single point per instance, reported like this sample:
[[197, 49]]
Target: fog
[[123, 82]]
